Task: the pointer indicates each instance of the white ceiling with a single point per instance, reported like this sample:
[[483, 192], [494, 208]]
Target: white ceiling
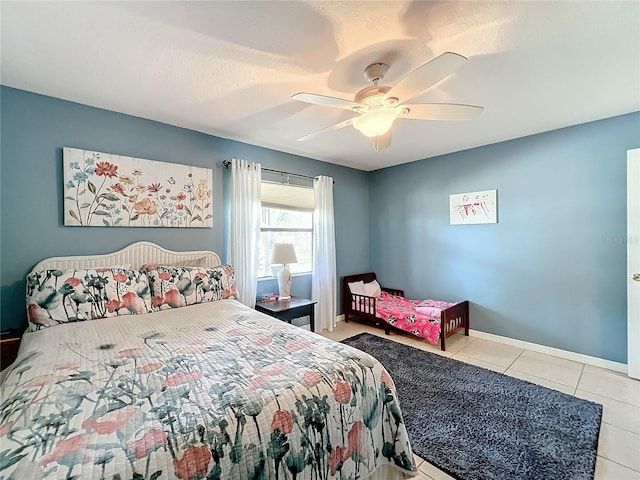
[[229, 68]]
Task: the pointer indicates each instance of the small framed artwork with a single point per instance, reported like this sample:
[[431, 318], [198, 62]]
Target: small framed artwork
[[473, 207]]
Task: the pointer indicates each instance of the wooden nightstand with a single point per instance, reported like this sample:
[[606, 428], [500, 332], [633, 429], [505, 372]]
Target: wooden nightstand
[[287, 310], [9, 344]]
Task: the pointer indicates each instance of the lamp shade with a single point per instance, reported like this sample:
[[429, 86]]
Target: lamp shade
[[376, 121], [283, 253]]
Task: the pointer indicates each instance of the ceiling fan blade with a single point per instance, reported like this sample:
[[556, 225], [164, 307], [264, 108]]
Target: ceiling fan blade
[[326, 101], [381, 141], [426, 76], [326, 129], [442, 111]]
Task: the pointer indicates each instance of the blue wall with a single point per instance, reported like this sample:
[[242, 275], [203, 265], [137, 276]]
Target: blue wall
[[34, 128], [553, 270]]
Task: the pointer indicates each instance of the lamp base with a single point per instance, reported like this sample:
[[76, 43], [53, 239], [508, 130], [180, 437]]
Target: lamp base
[[284, 283]]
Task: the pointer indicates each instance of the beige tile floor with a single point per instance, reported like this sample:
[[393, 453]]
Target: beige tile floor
[[619, 442]]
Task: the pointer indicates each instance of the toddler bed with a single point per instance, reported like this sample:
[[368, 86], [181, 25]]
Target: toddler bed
[[429, 319]]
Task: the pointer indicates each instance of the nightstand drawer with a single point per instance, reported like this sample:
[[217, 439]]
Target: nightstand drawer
[[9, 345]]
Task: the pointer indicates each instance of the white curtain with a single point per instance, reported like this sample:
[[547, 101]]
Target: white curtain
[[245, 227], [324, 283]]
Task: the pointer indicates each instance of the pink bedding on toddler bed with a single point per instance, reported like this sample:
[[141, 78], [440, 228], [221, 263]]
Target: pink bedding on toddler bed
[[418, 317]]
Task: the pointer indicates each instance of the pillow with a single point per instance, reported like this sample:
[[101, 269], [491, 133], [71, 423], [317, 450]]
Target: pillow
[[430, 311], [196, 262], [179, 286], [63, 296], [357, 288], [372, 289]]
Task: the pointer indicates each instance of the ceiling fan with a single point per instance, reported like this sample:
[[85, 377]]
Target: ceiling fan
[[377, 107]]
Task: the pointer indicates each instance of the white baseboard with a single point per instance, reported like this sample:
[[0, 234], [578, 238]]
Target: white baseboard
[[555, 352]]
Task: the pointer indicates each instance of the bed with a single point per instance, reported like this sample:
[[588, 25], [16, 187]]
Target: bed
[[209, 390], [432, 320]]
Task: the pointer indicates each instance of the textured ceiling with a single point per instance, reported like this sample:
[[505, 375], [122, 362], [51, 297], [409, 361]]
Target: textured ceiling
[[229, 68]]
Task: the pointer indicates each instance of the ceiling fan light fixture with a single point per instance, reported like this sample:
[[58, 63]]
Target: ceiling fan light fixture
[[376, 107], [376, 121]]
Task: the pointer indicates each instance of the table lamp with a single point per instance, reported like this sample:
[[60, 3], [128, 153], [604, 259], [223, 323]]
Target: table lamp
[[283, 253]]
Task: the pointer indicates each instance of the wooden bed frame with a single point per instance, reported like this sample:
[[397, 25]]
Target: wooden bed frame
[[452, 319]]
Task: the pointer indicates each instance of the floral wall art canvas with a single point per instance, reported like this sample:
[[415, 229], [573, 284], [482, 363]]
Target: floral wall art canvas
[[473, 207], [101, 189]]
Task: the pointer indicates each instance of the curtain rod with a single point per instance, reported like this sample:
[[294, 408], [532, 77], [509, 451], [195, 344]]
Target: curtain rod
[[226, 164]]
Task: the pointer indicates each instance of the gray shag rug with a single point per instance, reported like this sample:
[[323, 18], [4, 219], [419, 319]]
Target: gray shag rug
[[476, 424]]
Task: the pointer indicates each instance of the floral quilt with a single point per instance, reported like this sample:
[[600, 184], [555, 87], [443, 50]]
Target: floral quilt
[[419, 317], [210, 391]]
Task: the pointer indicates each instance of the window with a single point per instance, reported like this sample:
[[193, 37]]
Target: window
[[287, 217]]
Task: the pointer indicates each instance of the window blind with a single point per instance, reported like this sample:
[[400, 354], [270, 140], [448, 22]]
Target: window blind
[[294, 197]]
